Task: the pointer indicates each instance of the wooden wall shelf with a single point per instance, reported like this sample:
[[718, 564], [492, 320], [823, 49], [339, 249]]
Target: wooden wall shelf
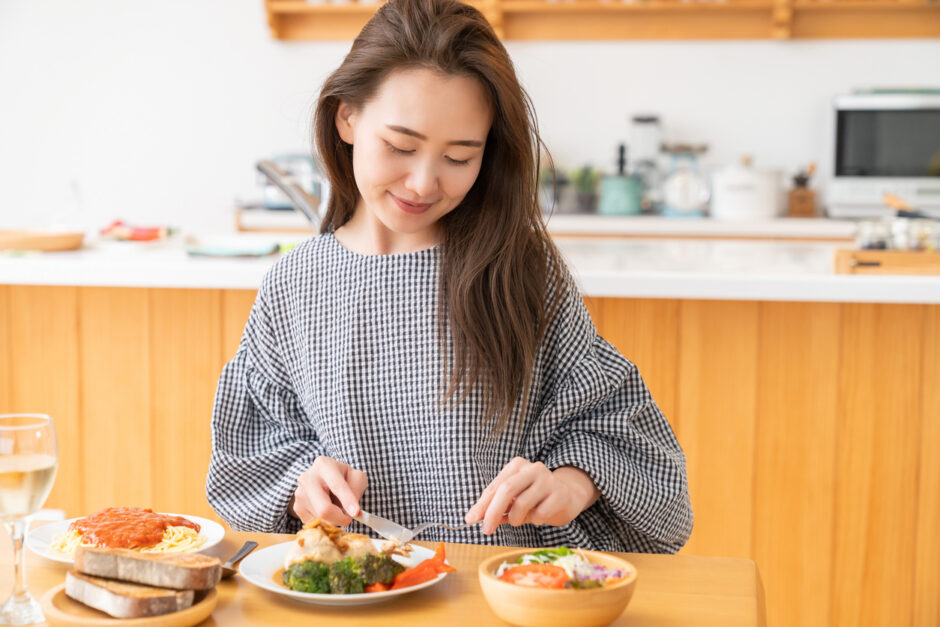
[[643, 19]]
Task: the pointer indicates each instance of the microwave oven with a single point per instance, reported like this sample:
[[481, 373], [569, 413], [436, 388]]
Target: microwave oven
[[885, 143]]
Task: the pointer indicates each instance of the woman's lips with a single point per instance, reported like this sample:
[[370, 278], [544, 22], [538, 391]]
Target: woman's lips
[[410, 207]]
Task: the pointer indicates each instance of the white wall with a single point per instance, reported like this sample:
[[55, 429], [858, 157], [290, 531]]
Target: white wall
[[157, 111]]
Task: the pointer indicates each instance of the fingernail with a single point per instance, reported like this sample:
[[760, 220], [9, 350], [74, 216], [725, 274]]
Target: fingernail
[[352, 510], [487, 530]]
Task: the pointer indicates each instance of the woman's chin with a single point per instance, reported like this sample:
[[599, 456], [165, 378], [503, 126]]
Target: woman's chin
[[402, 223]]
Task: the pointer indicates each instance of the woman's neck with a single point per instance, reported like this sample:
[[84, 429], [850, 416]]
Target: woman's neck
[[367, 235]]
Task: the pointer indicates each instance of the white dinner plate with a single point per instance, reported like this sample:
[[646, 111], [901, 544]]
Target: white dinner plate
[[261, 566], [39, 539]]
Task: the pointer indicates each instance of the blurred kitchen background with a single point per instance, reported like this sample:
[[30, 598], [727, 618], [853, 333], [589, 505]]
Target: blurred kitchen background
[[158, 112]]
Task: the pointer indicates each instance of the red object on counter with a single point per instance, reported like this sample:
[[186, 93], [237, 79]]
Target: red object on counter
[[121, 231]]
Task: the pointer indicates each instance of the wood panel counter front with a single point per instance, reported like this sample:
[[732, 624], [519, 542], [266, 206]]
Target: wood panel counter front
[[811, 429], [671, 590]]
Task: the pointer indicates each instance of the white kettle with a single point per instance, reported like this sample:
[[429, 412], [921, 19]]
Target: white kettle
[[741, 193]]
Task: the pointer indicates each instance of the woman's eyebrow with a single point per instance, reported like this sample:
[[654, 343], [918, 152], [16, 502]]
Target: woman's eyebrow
[[457, 142]]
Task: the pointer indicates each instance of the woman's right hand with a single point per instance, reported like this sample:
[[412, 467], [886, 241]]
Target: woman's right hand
[[329, 490]]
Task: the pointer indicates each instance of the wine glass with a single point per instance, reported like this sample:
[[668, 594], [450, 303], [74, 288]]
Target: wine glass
[[28, 462]]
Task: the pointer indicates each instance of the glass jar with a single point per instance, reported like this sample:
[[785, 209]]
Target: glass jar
[[901, 234], [872, 235], [924, 235]]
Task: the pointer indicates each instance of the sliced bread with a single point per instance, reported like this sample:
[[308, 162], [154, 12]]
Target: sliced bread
[[181, 571], [125, 600]]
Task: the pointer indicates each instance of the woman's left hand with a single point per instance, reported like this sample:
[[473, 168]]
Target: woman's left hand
[[528, 492]]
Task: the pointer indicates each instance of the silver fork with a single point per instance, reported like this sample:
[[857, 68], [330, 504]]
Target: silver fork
[[425, 526]]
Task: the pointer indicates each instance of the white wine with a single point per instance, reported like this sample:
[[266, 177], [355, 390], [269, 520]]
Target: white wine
[[25, 482]]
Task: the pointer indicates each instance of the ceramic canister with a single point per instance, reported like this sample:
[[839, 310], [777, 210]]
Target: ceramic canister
[[741, 193], [620, 196]]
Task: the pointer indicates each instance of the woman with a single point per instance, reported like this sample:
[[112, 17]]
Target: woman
[[428, 357]]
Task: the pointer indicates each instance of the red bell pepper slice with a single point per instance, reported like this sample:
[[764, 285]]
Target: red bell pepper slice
[[425, 571]]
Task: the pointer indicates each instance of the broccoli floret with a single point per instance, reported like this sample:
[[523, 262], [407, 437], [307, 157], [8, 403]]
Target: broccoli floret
[[377, 568], [308, 577], [345, 578]]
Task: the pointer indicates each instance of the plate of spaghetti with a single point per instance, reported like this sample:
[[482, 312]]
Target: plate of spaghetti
[[134, 528]]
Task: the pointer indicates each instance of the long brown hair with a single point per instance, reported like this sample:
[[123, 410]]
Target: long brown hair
[[496, 255]]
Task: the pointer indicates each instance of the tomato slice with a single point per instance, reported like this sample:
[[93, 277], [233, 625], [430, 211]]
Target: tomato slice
[[536, 576]]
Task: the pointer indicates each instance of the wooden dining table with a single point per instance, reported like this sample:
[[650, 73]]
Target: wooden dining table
[[673, 590]]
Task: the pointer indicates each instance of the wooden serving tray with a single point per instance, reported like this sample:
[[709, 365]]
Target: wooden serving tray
[[886, 262], [62, 611], [40, 240]]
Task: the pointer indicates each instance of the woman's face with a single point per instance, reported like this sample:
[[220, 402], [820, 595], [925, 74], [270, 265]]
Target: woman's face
[[417, 148]]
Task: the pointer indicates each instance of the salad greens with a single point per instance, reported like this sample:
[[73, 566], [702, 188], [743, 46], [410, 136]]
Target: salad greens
[[546, 556]]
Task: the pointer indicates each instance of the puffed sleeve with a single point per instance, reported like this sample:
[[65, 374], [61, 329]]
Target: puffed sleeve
[[596, 413], [262, 440]]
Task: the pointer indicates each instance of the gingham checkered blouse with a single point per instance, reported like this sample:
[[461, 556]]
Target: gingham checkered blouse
[[340, 357]]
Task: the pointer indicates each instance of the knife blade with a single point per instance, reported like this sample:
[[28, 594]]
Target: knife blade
[[384, 527]]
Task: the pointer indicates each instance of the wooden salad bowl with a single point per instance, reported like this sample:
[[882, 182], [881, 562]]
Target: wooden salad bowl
[[540, 607]]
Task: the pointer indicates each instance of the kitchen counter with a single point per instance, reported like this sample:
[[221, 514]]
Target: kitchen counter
[[732, 270], [740, 377], [657, 226], [634, 226], [605, 267]]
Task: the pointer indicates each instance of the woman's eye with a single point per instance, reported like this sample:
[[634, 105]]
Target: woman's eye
[[397, 150], [457, 161]]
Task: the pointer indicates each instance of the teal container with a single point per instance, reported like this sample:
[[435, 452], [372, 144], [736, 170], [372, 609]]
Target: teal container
[[620, 196]]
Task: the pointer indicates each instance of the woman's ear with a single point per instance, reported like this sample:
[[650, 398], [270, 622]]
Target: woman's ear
[[345, 121]]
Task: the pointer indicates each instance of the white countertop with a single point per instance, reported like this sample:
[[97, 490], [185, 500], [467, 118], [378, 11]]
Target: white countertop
[[639, 226], [632, 268], [732, 270], [780, 228]]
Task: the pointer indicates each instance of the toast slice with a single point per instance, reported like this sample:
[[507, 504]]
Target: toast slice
[[180, 571], [125, 600]]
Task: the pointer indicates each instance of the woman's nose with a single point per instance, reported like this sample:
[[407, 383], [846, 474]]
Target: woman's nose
[[422, 181]]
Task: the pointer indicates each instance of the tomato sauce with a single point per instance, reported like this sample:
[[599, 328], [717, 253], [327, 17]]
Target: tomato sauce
[[127, 527]]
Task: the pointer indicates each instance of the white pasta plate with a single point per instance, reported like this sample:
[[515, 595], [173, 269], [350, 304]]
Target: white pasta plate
[[262, 567], [40, 539]]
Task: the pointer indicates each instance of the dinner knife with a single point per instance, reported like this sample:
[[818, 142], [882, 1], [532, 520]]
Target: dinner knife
[[384, 527]]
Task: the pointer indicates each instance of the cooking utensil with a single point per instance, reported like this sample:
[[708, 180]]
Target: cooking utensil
[[228, 568], [304, 202], [620, 194], [904, 209]]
